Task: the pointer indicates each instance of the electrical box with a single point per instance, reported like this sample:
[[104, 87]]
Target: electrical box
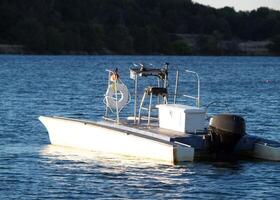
[[182, 118]]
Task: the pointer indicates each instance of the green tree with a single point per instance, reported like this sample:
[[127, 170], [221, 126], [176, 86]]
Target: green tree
[[274, 47], [72, 41], [31, 32], [181, 47], [208, 44], [119, 40], [94, 38], [54, 40]]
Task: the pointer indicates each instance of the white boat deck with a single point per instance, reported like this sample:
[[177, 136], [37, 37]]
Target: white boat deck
[[153, 129], [143, 130]]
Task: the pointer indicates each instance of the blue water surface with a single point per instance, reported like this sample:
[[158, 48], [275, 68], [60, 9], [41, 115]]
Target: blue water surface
[[74, 86]]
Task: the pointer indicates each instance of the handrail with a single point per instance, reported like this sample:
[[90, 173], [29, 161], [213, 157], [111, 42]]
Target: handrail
[[197, 98]]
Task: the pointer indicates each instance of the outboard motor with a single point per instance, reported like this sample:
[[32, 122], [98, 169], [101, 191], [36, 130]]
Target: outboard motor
[[224, 132]]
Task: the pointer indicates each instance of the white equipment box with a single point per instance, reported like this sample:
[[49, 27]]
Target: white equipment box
[[182, 118]]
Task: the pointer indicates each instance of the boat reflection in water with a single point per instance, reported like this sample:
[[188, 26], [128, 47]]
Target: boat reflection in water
[[104, 166]]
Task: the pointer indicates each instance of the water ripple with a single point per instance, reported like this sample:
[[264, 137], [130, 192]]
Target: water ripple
[[74, 86]]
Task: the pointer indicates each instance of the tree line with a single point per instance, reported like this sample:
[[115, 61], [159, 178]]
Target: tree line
[[132, 27]]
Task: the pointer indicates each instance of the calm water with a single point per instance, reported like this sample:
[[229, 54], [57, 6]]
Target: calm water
[[30, 168]]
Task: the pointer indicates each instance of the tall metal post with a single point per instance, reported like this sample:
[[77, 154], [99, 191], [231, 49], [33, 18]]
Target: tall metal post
[[176, 86], [135, 98], [106, 107], [116, 95]]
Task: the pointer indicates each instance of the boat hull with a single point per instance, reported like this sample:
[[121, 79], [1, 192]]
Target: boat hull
[[267, 151], [95, 137]]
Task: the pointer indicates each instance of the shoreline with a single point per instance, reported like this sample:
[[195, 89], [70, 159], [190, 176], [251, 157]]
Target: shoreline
[[169, 55], [7, 49]]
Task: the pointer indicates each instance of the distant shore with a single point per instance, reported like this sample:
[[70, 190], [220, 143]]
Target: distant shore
[[247, 49], [136, 27]]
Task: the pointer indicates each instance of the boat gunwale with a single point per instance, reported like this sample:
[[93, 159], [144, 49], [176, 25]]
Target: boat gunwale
[[138, 133]]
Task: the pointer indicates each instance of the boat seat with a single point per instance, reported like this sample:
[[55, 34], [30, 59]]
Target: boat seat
[[152, 91], [158, 91]]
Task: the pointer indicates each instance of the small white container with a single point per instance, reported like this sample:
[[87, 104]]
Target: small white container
[[182, 118]]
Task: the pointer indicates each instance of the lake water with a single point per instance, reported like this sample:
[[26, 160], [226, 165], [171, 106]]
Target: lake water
[[30, 168]]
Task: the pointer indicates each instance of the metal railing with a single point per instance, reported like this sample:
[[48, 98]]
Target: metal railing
[[196, 98]]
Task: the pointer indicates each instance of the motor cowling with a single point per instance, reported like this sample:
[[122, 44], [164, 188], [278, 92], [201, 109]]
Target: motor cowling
[[224, 132]]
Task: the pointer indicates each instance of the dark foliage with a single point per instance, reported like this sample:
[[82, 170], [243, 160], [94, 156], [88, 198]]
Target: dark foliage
[[131, 26]]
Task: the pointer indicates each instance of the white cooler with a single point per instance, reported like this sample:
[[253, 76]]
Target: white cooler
[[181, 118]]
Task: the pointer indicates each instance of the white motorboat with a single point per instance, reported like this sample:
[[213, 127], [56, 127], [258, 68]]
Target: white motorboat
[[158, 129]]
